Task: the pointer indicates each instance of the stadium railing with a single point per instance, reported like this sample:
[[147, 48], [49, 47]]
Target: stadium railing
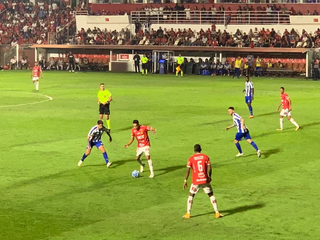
[[199, 17]]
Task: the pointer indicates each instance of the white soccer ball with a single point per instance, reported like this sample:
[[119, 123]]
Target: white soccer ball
[[135, 173]]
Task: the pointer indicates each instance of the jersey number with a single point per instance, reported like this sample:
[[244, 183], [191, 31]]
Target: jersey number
[[200, 167]]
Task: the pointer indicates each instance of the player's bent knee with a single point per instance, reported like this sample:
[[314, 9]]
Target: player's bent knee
[[236, 141]]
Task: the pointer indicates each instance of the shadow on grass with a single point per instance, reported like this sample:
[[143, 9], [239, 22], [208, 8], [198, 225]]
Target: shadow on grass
[[128, 128], [270, 152], [169, 169], [309, 125], [235, 210], [266, 114], [217, 122], [114, 164]]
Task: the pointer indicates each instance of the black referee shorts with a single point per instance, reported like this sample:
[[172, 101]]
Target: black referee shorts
[[144, 66], [104, 109]]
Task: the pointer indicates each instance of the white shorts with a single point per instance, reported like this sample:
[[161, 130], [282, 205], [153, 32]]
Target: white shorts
[[194, 189], [285, 113], [145, 150], [35, 79]]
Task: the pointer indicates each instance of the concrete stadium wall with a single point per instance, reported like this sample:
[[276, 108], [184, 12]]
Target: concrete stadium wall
[[135, 7], [233, 28]]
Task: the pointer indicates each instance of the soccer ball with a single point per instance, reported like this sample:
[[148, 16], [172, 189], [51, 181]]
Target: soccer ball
[[135, 173]]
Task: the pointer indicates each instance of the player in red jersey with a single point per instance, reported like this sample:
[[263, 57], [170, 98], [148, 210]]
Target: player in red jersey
[[140, 132], [201, 178], [286, 110], [36, 74]]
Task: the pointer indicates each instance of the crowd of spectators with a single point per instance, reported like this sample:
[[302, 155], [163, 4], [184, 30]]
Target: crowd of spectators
[[211, 37], [26, 23]]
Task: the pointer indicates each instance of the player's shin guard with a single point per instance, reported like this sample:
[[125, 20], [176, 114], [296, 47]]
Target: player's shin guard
[[250, 110], [181, 73], [108, 124], [105, 156], [239, 147], [189, 204], [83, 157], [214, 203], [150, 166], [281, 123], [37, 85], [254, 145], [294, 122]]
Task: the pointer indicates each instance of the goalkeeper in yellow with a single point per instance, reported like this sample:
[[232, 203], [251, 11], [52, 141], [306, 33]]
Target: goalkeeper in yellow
[[179, 67], [104, 99]]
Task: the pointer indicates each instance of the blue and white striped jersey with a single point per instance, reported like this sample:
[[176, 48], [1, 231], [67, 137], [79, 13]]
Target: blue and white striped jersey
[[95, 133], [249, 87], [237, 122]]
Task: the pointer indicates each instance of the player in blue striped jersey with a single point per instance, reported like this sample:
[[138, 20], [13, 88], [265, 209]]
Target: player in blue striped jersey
[[94, 139], [249, 95], [242, 132]]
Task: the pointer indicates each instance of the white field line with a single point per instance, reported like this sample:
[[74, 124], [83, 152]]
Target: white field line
[[48, 98]]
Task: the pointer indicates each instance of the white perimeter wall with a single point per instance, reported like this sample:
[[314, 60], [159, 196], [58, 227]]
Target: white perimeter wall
[[244, 28], [102, 22], [309, 23]]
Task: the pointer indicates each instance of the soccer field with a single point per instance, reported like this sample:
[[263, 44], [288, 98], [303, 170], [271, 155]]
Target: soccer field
[[45, 195]]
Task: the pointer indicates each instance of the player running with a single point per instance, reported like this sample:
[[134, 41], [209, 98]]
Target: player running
[[201, 178], [140, 132], [249, 94], [286, 110], [36, 74], [243, 132], [94, 139], [104, 99]]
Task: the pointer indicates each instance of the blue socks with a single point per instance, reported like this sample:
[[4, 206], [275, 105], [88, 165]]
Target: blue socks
[[251, 110], [255, 146], [238, 147], [105, 155], [83, 157]]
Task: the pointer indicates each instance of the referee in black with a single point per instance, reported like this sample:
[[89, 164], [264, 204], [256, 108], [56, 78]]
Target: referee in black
[[71, 62], [136, 59]]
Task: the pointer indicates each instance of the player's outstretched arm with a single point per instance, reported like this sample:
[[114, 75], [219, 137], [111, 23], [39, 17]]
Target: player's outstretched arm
[[185, 184], [109, 134], [88, 142], [242, 123], [209, 172], [130, 142], [279, 106], [230, 127], [289, 101]]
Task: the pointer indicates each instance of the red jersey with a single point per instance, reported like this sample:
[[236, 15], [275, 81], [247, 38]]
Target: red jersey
[[36, 71], [199, 163], [285, 101], [141, 135]]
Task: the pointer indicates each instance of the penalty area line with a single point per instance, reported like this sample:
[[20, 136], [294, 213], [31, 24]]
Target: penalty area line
[[48, 98]]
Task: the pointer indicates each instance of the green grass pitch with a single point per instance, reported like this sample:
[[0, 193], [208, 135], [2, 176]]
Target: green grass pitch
[[45, 195]]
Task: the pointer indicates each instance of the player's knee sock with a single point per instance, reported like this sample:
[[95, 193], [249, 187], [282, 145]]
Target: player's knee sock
[[250, 110], [214, 203], [281, 123], [294, 122], [83, 157], [238, 147], [181, 73], [37, 85], [189, 204], [108, 124], [177, 72], [146, 71], [150, 166], [105, 156], [254, 145]]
